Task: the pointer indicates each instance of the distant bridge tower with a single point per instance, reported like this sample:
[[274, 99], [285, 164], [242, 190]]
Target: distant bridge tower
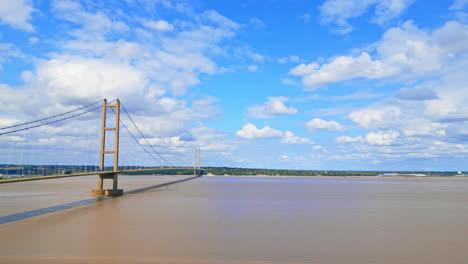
[[196, 163], [115, 173]]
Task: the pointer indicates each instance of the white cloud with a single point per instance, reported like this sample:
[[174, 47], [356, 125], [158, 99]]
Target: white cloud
[[289, 138], [273, 107], [288, 81], [160, 25], [173, 142], [321, 148], [297, 159], [382, 139], [257, 57], [33, 40], [8, 50], [428, 116], [320, 124], [257, 23], [17, 13], [75, 78], [98, 59], [93, 24], [172, 61], [430, 108], [289, 59], [458, 4], [210, 139], [253, 68], [7, 121], [416, 93], [379, 138], [250, 131], [376, 116], [403, 53], [452, 37], [219, 19], [304, 69], [348, 139], [341, 68], [338, 12]]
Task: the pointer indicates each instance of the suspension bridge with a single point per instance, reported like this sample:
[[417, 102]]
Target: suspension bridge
[[102, 171]]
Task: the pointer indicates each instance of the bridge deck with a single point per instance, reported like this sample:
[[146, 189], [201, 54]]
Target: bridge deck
[[88, 174]]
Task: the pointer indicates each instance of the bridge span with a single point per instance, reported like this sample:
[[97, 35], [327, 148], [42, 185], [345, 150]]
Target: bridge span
[[115, 106], [198, 172]]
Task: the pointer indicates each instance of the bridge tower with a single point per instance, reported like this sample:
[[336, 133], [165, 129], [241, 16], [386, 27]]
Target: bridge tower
[[100, 191], [196, 162]]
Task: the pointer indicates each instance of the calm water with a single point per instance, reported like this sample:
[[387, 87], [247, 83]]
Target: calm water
[[242, 220]]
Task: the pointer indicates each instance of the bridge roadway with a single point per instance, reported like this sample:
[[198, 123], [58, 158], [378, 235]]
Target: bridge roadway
[[91, 173]]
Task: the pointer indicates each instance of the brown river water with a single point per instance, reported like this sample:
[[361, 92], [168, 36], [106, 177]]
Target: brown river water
[[239, 220]]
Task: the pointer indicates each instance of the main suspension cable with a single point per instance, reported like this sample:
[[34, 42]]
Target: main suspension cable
[[50, 122], [50, 117], [136, 140], [123, 107]]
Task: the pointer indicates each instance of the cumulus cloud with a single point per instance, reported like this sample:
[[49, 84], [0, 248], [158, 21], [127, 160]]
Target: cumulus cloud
[[273, 107], [416, 93], [379, 138], [75, 78], [321, 148], [376, 116], [290, 138], [320, 124], [434, 106], [160, 25], [337, 12], [404, 53], [250, 131], [341, 68], [206, 138], [17, 14], [452, 37], [429, 111], [97, 59], [348, 139]]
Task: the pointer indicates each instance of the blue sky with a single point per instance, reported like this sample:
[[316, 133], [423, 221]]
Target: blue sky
[[334, 84]]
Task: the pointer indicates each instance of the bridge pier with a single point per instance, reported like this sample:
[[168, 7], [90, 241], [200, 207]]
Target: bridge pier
[[100, 191]]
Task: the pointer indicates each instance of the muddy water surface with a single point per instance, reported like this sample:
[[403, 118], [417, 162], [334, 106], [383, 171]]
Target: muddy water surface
[[242, 220]]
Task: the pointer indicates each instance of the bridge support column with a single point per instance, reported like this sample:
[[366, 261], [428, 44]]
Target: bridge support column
[[196, 163], [100, 191]]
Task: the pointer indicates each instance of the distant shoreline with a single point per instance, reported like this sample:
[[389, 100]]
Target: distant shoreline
[[344, 176]]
